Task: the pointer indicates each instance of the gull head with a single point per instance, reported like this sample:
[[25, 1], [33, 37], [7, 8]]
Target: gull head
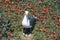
[[26, 12]]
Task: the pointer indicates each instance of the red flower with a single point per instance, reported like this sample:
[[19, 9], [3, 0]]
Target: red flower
[[5, 16], [0, 35], [32, 10], [8, 2], [48, 35], [59, 20], [21, 11], [43, 17], [9, 13], [45, 11], [11, 34], [28, 7], [53, 32], [21, 4], [38, 15], [32, 7], [52, 35], [54, 16], [4, 28], [55, 38], [5, 10], [58, 17], [13, 28], [15, 9], [16, 3], [0, 18], [29, 0], [0, 2], [43, 29], [12, 2]]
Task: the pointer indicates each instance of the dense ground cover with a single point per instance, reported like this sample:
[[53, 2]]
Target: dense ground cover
[[48, 22]]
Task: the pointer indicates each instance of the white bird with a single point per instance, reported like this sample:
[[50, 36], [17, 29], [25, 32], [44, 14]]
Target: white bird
[[28, 21]]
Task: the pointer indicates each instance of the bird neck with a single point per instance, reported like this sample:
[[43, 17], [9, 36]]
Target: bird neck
[[25, 15]]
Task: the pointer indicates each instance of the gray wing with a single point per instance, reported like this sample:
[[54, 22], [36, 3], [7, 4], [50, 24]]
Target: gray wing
[[32, 20]]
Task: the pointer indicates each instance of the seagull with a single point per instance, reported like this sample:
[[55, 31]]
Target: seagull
[[28, 22]]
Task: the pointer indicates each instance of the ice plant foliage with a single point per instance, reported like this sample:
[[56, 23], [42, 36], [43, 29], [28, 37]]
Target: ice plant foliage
[[46, 11]]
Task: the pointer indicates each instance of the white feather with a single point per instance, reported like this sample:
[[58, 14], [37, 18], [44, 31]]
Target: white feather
[[26, 21]]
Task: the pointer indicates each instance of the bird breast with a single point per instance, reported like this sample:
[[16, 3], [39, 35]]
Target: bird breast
[[26, 22]]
